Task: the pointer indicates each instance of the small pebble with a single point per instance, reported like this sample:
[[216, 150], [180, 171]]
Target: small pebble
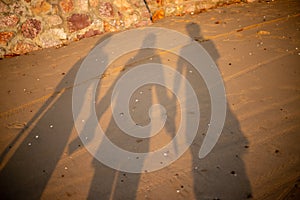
[[233, 173], [36, 137], [136, 100], [66, 168], [177, 191], [29, 144], [191, 71], [51, 126]]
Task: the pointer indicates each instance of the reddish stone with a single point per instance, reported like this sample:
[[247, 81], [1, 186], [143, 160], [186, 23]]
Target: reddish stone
[[5, 37], [106, 9], [66, 5], [78, 21], [89, 33], [31, 28], [9, 21]]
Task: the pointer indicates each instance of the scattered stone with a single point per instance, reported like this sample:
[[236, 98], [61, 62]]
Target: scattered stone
[[78, 21], [233, 173], [249, 196], [139, 140], [263, 33], [31, 28]]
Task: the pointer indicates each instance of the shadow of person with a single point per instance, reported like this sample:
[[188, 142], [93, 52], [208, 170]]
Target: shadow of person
[[30, 167], [221, 174], [28, 171], [108, 183]]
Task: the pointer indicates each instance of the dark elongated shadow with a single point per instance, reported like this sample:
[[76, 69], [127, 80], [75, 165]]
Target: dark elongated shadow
[[221, 174], [27, 172]]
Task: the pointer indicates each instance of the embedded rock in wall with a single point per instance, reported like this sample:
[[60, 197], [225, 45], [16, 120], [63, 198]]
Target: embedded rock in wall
[[78, 21], [66, 5], [5, 37], [27, 25], [42, 8], [31, 28], [9, 21], [106, 9], [22, 47]]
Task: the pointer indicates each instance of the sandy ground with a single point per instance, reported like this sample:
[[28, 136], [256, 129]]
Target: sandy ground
[[257, 49]]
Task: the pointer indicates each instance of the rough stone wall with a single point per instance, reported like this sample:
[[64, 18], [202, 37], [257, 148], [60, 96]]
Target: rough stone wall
[[28, 25]]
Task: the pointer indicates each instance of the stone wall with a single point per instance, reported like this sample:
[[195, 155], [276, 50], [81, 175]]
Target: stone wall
[[28, 25]]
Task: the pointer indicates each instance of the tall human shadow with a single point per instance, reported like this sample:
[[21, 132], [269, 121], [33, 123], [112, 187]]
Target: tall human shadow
[[29, 169], [117, 184], [221, 174]]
